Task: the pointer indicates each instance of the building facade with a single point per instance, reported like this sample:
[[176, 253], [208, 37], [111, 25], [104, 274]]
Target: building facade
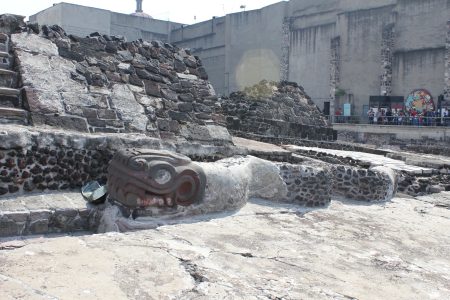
[[81, 20], [340, 51]]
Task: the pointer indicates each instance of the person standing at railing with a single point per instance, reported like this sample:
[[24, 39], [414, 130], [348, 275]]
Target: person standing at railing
[[433, 116], [370, 115], [446, 121], [338, 115], [413, 117], [389, 117], [400, 118], [379, 117]]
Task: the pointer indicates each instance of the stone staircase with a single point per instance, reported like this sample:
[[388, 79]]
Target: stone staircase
[[11, 105]]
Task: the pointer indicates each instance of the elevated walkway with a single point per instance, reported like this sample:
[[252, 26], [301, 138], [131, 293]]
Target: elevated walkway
[[440, 133]]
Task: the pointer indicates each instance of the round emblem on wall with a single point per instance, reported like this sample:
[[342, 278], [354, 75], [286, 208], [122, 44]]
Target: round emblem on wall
[[419, 100]]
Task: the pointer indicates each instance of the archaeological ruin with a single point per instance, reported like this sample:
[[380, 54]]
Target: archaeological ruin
[[104, 140], [72, 106]]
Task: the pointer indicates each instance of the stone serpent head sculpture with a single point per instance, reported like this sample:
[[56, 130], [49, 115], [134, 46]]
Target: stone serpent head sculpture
[[153, 178]]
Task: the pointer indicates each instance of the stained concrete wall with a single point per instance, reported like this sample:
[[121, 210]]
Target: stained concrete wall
[[310, 54], [135, 28], [253, 46], [81, 20], [420, 27], [75, 19], [361, 67], [240, 49], [420, 46], [51, 15], [417, 69]]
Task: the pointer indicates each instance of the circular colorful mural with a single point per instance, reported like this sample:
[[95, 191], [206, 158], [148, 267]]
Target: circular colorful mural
[[420, 101]]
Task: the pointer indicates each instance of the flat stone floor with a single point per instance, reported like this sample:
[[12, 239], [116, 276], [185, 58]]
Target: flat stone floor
[[373, 159], [259, 147], [396, 250]]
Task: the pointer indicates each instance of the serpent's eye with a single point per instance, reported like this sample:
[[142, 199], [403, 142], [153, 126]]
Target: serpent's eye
[[162, 176]]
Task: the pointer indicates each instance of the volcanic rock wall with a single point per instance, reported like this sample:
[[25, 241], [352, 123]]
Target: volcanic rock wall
[[105, 84], [277, 110]]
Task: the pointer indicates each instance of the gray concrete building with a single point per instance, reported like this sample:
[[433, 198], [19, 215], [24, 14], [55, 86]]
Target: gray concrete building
[[340, 51], [82, 20]]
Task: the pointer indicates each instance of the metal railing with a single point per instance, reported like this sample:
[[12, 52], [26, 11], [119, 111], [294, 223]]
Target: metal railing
[[418, 121]]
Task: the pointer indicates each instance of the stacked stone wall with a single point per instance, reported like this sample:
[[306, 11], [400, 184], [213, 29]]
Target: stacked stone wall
[[50, 168], [285, 49], [335, 71], [274, 110], [447, 63], [314, 185], [307, 185], [44, 215], [387, 48], [103, 84], [361, 184]]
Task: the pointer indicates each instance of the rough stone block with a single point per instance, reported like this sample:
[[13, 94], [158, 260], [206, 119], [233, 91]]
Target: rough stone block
[[179, 116], [9, 227], [185, 107], [64, 122], [90, 113], [152, 88], [96, 122], [107, 114], [186, 97], [169, 94]]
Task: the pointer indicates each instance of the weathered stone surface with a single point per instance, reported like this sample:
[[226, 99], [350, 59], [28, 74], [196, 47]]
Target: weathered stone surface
[[66, 76], [205, 133], [62, 122], [124, 102], [49, 213], [371, 159], [267, 250], [34, 44], [45, 78]]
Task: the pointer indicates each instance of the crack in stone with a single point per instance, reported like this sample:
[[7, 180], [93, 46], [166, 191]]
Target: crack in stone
[[193, 270]]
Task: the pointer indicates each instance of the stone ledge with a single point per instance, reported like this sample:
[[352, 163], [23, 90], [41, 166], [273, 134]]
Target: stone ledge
[[44, 214]]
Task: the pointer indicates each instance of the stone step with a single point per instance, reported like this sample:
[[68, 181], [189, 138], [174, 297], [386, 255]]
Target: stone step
[[4, 38], [43, 214], [4, 91], [5, 60], [10, 115], [4, 47], [10, 97], [7, 72], [8, 78]]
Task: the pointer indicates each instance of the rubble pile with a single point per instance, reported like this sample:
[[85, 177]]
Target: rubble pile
[[276, 110]]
